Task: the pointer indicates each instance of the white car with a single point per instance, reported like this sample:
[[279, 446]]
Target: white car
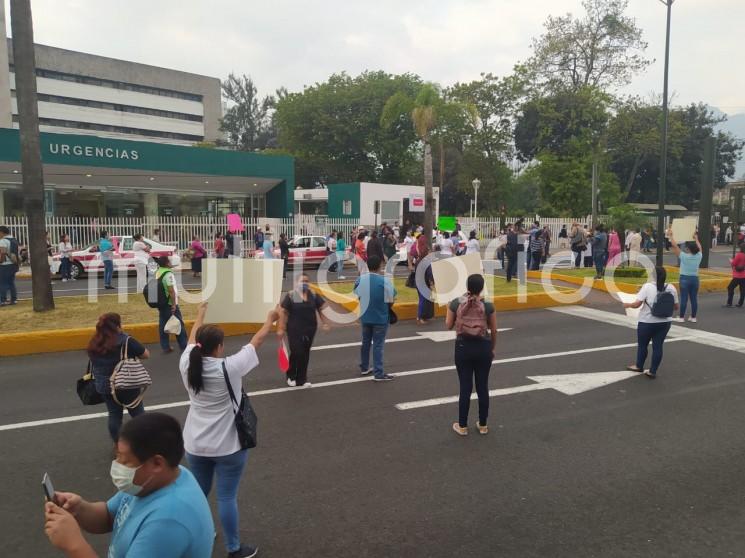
[[89, 258]]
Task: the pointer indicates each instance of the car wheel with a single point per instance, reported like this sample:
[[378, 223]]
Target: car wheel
[[76, 271]]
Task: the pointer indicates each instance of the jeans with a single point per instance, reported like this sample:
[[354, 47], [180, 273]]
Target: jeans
[[731, 291], [116, 411], [688, 289], [511, 266], [473, 359], [373, 334], [108, 272], [577, 258], [228, 469], [645, 333], [64, 268], [300, 344], [8, 282], [165, 315], [600, 259]]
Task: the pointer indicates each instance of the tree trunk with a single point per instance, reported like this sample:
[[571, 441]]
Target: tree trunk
[[429, 201], [31, 166], [632, 177], [442, 166]]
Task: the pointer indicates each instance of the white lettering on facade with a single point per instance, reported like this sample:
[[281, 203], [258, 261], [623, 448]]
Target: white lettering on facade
[[54, 148], [77, 150], [90, 151], [109, 152], [65, 149], [135, 155]]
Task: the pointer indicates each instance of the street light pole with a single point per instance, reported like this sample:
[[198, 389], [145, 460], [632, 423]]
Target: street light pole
[[663, 155], [476, 183]]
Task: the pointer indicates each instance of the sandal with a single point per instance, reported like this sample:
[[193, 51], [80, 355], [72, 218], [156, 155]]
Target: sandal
[[649, 375], [633, 368]]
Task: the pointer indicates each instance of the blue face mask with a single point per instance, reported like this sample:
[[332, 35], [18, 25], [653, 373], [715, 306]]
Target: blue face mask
[[304, 287]]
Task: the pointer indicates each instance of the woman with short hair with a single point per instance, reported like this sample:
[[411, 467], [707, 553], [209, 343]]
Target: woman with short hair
[[210, 436], [690, 260], [108, 346]]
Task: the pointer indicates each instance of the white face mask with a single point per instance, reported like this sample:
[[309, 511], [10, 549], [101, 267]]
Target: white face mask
[[123, 478]]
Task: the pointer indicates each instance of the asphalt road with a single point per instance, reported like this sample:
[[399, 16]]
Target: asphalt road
[[636, 468]]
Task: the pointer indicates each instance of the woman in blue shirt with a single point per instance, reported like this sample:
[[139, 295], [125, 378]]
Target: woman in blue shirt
[[690, 260]]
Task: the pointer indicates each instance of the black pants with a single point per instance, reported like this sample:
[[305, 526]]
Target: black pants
[[300, 344], [577, 257], [511, 265], [473, 360], [535, 260], [731, 291]]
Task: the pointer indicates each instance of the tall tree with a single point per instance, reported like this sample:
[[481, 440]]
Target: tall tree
[[430, 114], [33, 176], [334, 128], [248, 120], [602, 49]]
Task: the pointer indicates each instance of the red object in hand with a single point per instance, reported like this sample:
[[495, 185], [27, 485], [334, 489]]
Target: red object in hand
[[283, 356]]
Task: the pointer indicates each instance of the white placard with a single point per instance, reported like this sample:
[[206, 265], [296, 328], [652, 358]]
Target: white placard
[[684, 228], [626, 298], [240, 290], [451, 276]]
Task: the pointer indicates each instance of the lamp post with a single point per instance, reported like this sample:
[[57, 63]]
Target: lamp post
[[663, 155], [476, 184]]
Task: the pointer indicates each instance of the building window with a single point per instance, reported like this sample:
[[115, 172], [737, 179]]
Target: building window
[[346, 207], [116, 129]]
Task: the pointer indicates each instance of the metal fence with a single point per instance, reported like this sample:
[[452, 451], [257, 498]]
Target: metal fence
[[489, 228]]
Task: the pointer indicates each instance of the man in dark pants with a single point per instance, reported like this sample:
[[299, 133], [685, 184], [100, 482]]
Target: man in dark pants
[[510, 251], [167, 281]]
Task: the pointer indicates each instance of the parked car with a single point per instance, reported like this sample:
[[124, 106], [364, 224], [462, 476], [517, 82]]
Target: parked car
[[89, 258], [303, 249]]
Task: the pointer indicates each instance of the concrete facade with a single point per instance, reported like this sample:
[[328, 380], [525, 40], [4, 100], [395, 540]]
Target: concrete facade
[[106, 97]]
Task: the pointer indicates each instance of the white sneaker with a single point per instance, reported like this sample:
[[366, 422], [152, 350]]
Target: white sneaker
[[678, 319], [291, 383], [692, 320], [64, 280], [307, 385]]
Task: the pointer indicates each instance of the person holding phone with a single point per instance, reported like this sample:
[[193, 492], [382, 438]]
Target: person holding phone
[[158, 511], [210, 436], [106, 247]]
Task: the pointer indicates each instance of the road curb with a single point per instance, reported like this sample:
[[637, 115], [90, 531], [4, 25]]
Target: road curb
[[59, 340]]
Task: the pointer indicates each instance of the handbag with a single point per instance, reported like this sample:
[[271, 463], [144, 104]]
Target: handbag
[[86, 388], [245, 417], [392, 316], [129, 373], [173, 326]]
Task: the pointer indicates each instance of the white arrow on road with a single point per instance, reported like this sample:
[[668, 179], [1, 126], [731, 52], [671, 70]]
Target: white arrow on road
[[436, 336], [568, 384]]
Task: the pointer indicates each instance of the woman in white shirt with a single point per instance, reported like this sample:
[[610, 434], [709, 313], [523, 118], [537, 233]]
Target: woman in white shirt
[[446, 245], [65, 253], [142, 256], [472, 246], [210, 435], [655, 317]]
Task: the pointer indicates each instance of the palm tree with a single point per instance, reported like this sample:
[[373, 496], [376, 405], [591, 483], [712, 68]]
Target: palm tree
[[431, 115]]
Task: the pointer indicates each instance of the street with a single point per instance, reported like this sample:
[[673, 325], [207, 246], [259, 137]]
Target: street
[[606, 465]]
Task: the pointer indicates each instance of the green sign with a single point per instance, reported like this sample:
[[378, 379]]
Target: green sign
[[446, 223]]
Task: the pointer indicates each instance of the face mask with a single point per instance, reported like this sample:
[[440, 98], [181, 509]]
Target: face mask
[[304, 287], [123, 478]]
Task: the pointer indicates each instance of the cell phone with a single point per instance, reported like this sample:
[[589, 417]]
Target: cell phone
[[46, 484]]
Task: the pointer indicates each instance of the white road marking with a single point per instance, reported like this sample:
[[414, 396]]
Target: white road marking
[[436, 336], [74, 418], [693, 334], [568, 384]]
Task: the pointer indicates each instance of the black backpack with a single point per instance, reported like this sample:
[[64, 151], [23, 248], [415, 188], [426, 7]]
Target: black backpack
[[664, 304], [159, 297]]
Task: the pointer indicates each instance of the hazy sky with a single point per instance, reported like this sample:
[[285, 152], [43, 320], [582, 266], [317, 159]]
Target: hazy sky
[[299, 42]]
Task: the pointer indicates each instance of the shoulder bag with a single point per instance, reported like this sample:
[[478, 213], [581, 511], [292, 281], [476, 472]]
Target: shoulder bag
[[129, 373], [245, 418]]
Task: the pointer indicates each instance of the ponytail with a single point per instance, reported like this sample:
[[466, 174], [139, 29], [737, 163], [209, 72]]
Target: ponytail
[[209, 338], [661, 274]]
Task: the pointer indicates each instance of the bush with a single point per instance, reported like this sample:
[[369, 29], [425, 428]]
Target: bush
[[630, 272]]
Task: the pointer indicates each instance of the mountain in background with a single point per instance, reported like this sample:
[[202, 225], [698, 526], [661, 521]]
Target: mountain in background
[[735, 125]]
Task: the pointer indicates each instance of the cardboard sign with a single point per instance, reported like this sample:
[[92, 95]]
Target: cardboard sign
[[684, 228], [626, 298], [451, 276], [234, 223], [416, 203], [446, 223], [240, 290]]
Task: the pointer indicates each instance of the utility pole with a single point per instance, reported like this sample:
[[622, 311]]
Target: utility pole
[[705, 202], [663, 156], [33, 177], [594, 193]]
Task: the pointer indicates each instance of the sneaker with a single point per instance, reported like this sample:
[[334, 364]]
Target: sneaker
[[482, 429], [291, 383], [366, 372], [245, 551], [383, 378], [460, 430], [307, 385], [678, 319], [692, 320], [729, 306], [64, 280]]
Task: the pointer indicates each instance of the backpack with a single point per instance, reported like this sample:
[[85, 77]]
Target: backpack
[[470, 318], [155, 293], [664, 304], [13, 251]]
